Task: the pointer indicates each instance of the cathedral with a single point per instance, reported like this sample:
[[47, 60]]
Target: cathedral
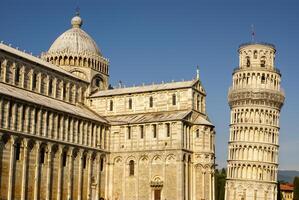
[[65, 134]]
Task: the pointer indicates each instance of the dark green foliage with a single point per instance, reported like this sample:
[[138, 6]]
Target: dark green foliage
[[220, 178], [296, 188], [279, 195]]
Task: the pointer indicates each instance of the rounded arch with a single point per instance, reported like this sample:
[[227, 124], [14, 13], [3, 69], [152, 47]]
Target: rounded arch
[[156, 159], [98, 81], [131, 157], [79, 73], [143, 159], [170, 158]]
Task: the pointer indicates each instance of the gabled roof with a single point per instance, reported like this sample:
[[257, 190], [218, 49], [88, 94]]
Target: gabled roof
[[202, 121], [147, 117], [146, 88], [38, 61], [158, 117], [41, 100]]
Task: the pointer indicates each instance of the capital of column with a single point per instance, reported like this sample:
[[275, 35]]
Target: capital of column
[[25, 143], [60, 149], [89, 155], [98, 157], [13, 139], [81, 153], [38, 144], [71, 152]]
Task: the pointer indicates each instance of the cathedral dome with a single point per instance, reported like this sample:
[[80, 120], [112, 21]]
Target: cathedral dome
[[75, 51], [75, 41]]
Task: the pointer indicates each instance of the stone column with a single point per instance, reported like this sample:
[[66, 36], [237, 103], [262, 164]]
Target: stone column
[[67, 129], [55, 128], [101, 137], [45, 125], [50, 125], [59, 179], [39, 82], [54, 88], [90, 130], [21, 120], [210, 182], [75, 94], [1, 108], [85, 133], [24, 169], [26, 120], [39, 121], [76, 131], [11, 168], [22, 78], [106, 138], [71, 137], [70, 174], [67, 96], [6, 115], [203, 183], [95, 135], [80, 171], [14, 116], [47, 86], [37, 169], [33, 121], [186, 179], [61, 130], [49, 171], [81, 132], [98, 177], [4, 68], [89, 175]]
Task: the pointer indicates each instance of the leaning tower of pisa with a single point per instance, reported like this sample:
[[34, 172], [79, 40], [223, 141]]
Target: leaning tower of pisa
[[255, 100]]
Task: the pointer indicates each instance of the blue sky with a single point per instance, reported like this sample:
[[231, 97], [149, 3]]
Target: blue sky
[[163, 40]]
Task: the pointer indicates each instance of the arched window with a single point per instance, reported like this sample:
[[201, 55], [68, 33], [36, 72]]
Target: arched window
[[130, 103], [173, 99], [255, 54], [18, 151], [111, 105], [168, 130], [198, 103], [64, 91], [42, 155], [141, 131], [84, 161], [154, 130], [17, 75], [64, 156], [98, 82], [197, 133], [34, 81], [151, 102], [102, 164], [202, 104], [50, 87], [129, 132], [131, 168], [263, 79], [263, 61], [247, 61]]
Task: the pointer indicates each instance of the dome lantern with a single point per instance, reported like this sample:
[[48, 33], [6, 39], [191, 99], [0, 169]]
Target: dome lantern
[[76, 22]]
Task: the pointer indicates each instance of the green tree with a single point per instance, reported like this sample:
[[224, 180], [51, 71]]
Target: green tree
[[220, 178], [279, 195], [296, 188]]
